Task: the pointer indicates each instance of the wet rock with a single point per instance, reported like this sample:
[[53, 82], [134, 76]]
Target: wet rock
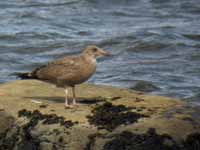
[[147, 46], [108, 116], [145, 86]]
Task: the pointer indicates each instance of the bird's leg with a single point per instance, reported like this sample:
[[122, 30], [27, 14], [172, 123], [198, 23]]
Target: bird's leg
[[66, 99], [74, 96]]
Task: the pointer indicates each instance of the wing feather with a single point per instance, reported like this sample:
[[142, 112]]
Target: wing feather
[[65, 68]]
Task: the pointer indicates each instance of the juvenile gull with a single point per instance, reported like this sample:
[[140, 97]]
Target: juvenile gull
[[68, 71]]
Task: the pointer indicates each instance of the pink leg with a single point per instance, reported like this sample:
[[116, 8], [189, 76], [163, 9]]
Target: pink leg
[[74, 96], [67, 105]]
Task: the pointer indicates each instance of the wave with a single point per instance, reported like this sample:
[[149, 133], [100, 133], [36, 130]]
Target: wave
[[147, 46], [38, 3], [192, 36]]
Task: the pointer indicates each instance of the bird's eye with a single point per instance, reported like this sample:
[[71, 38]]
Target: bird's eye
[[94, 49]]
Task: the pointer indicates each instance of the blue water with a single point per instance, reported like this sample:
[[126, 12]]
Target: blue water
[[151, 40]]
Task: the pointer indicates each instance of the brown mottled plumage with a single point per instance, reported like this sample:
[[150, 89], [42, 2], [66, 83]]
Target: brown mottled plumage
[[69, 70]]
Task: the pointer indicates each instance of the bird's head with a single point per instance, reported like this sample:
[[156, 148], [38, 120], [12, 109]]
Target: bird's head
[[95, 51]]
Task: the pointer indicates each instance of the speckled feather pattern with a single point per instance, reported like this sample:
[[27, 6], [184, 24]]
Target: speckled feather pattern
[[67, 71]]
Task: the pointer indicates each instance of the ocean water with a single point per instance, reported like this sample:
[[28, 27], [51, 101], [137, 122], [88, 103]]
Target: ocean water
[[151, 40]]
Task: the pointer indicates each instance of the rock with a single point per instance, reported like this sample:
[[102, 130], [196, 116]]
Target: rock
[[148, 46], [105, 118], [6, 121], [145, 86], [6, 124], [151, 140], [192, 36]]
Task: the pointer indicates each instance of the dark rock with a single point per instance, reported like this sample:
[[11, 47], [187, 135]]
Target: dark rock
[[8, 142], [53, 119], [60, 139], [92, 140], [192, 36], [108, 116], [18, 138], [68, 123], [84, 33], [151, 141], [139, 99], [148, 46], [192, 142], [93, 100], [43, 106], [28, 141], [115, 98], [148, 141], [24, 113], [145, 86]]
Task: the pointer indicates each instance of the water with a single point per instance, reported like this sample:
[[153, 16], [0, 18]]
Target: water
[[151, 40]]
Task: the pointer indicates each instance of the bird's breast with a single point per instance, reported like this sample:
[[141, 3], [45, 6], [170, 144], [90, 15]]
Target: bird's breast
[[87, 70], [84, 71]]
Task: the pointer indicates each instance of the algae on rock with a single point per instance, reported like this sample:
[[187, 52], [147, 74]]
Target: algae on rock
[[105, 115]]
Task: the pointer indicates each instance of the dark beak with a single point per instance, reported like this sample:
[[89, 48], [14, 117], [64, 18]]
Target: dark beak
[[104, 53]]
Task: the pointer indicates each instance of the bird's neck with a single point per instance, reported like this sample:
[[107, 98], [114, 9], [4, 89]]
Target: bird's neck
[[90, 58]]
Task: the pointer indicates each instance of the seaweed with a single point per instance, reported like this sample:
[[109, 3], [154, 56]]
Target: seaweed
[[28, 142], [148, 141], [92, 140], [37, 116], [18, 138], [7, 142], [108, 116], [115, 98], [192, 142], [151, 141], [24, 113], [53, 119], [43, 106]]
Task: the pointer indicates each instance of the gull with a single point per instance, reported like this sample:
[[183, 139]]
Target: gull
[[68, 71]]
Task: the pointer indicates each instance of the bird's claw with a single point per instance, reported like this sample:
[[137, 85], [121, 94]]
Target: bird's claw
[[71, 106], [75, 104], [68, 106]]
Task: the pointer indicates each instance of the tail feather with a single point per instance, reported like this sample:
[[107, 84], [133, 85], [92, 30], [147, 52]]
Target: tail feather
[[29, 75], [24, 75]]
